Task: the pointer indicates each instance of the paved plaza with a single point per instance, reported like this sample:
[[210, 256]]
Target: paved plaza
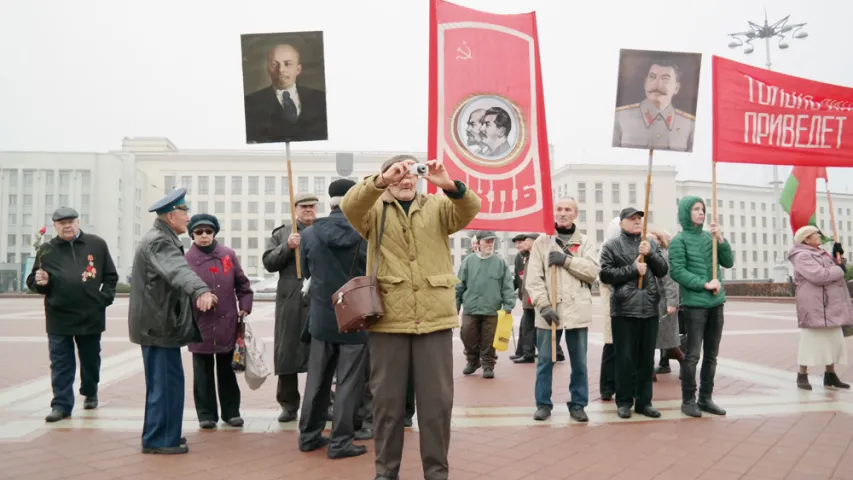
[[772, 431]]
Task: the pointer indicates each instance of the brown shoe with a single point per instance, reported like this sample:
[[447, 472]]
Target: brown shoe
[[803, 381]]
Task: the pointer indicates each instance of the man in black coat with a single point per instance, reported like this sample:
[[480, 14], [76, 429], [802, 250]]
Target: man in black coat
[[332, 253], [160, 319], [285, 112], [75, 273], [633, 311]]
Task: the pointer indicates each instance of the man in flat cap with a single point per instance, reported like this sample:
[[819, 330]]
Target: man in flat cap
[[332, 253], [415, 274], [160, 319], [633, 311], [485, 288], [75, 273], [291, 308], [525, 351]]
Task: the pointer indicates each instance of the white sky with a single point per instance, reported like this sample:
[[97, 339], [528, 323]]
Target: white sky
[[79, 76]]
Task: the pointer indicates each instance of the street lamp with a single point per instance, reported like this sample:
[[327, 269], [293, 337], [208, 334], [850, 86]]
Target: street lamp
[[778, 30]]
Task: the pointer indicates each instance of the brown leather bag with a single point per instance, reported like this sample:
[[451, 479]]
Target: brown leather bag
[[358, 304]]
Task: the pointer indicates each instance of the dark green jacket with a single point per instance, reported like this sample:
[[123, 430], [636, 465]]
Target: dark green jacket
[[690, 263], [485, 286]]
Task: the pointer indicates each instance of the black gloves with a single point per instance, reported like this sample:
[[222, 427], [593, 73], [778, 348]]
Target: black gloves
[[550, 315], [556, 258], [837, 248]]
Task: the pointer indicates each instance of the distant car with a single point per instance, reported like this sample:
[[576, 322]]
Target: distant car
[[267, 285]]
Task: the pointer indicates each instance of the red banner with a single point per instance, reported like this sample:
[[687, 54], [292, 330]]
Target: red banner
[[770, 118], [487, 114]]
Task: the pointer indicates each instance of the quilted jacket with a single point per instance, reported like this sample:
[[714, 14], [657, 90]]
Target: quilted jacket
[[415, 267], [690, 260]]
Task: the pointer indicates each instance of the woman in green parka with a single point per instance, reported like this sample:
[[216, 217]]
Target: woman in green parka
[[702, 297]]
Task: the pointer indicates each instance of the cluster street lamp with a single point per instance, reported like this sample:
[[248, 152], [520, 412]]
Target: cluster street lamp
[[779, 30]]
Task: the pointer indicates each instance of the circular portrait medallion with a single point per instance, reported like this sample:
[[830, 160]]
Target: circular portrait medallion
[[488, 129]]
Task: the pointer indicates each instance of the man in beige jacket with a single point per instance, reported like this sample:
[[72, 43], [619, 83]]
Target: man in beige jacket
[[576, 258], [417, 283]]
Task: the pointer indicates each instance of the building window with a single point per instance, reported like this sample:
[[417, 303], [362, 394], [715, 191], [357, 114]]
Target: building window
[[253, 261], [319, 185], [269, 185], [581, 192], [202, 207], [615, 213], [84, 200], [614, 193], [269, 208], [168, 183], [742, 237], [236, 207], [28, 200], [764, 222], [203, 185], [731, 220], [28, 179], [599, 193], [236, 242], [220, 186], [254, 185], [10, 241], [48, 180], [754, 256], [599, 235], [253, 207], [253, 225], [219, 208], [253, 242], [582, 216], [285, 207], [28, 219], [269, 225], [187, 182], [285, 186], [235, 225], [303, 185], [236, 185], [599, 216], [632, 193]]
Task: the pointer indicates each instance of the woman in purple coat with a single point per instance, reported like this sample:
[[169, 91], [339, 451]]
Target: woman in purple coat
[[219, 268], [823, 307]]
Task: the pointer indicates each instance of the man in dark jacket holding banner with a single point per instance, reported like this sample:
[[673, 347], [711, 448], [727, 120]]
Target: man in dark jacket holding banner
[[633, 311], [332, 252], [160, 318]]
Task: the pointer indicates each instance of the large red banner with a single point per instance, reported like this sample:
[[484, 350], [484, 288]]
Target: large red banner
[[487, 114], [766, 117]]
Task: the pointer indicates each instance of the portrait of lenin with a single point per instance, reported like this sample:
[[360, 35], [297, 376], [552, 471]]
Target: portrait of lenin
[[284, 87]]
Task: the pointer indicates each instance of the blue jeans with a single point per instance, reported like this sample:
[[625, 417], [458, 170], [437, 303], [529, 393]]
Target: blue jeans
[[576, 342]]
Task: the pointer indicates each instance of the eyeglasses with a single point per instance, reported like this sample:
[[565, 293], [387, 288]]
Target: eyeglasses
[[203, 232]]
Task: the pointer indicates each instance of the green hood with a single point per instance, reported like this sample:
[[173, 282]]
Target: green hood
[[684, 207]]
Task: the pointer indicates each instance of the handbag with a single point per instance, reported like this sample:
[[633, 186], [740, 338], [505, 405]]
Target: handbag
[[847, 330], [358, 304], [238, 361]]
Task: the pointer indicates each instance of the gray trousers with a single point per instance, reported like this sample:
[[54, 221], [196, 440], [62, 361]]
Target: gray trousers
[[326, 361], [430, 357]]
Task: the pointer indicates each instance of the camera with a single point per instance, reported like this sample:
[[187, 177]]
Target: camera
[[418, 169]]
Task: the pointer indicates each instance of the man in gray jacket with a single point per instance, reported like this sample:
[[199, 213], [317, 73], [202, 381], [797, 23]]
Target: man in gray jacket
[[160, 318]]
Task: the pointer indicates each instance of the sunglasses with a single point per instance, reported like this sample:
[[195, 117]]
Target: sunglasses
[[204, 231]]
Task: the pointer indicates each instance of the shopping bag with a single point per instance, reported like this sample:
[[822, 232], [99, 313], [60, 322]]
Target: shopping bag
[[238, 362], [847, 330], [257, 370], [503, 332]]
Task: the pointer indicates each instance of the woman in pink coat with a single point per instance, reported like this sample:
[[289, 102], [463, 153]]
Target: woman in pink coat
[[823, 307]]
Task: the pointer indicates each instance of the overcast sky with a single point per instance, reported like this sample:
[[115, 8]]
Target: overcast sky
[[81, 75]]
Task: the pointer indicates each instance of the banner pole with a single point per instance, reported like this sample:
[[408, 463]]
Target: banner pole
[[714, 210], [293, 228], [646, 207], [832, 219]]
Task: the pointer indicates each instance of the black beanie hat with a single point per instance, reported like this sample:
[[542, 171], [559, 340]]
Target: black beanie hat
[[203, 219], [340, 187]]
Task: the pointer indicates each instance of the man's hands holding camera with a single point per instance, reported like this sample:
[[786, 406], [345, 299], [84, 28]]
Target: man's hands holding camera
[[396, 173]]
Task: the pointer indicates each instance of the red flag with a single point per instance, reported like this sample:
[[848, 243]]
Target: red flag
[[487, 114], [766, 117]]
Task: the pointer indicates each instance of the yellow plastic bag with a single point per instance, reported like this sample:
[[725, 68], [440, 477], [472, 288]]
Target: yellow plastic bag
[[503, 332]]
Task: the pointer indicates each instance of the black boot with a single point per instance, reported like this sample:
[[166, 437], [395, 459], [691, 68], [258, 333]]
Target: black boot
[[688, 405], [803, 381], [830, 379], [706, 404], [663, 366]]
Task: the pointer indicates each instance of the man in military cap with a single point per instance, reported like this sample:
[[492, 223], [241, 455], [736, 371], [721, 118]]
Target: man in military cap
[[485, 288], [654, 122], [291, 308], [160, 318], [525, 351], [75, 273]]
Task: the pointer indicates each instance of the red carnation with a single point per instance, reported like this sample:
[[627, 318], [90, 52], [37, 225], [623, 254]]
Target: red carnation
[[214, 270], [43, 230], [226, 263]]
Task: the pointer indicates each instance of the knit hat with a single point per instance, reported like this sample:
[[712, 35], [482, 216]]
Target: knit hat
[[804, 232], [340, 187], [396, 159], [200, 219]]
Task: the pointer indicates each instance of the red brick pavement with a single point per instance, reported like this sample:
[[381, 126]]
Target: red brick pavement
[[773, 431]]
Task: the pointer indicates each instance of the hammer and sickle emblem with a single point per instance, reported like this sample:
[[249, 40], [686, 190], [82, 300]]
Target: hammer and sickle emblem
[[464, 52]]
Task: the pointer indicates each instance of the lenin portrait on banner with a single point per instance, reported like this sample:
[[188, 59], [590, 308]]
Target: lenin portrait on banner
[[284, 87], [656, 99]]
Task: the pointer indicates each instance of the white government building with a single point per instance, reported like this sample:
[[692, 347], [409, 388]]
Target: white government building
[[248, 191]]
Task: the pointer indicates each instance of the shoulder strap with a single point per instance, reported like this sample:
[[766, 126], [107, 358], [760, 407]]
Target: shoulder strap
[[355, 257], [379, 242]]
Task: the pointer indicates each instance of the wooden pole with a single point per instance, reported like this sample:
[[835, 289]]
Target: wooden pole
[[832, 219], [714, 210], [646, 207], [554, 307], [294, 229]]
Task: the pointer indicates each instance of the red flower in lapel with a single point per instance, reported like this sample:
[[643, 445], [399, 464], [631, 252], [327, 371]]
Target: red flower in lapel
[[226, 264], [213, 270], [574, 248]]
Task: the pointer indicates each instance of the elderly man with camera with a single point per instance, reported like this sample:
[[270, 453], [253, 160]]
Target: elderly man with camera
[[415, 275]]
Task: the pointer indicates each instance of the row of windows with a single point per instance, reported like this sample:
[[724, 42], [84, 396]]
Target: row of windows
[[27, 220], [253, 184], [29, 177], [615, 193], [752, 206]]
